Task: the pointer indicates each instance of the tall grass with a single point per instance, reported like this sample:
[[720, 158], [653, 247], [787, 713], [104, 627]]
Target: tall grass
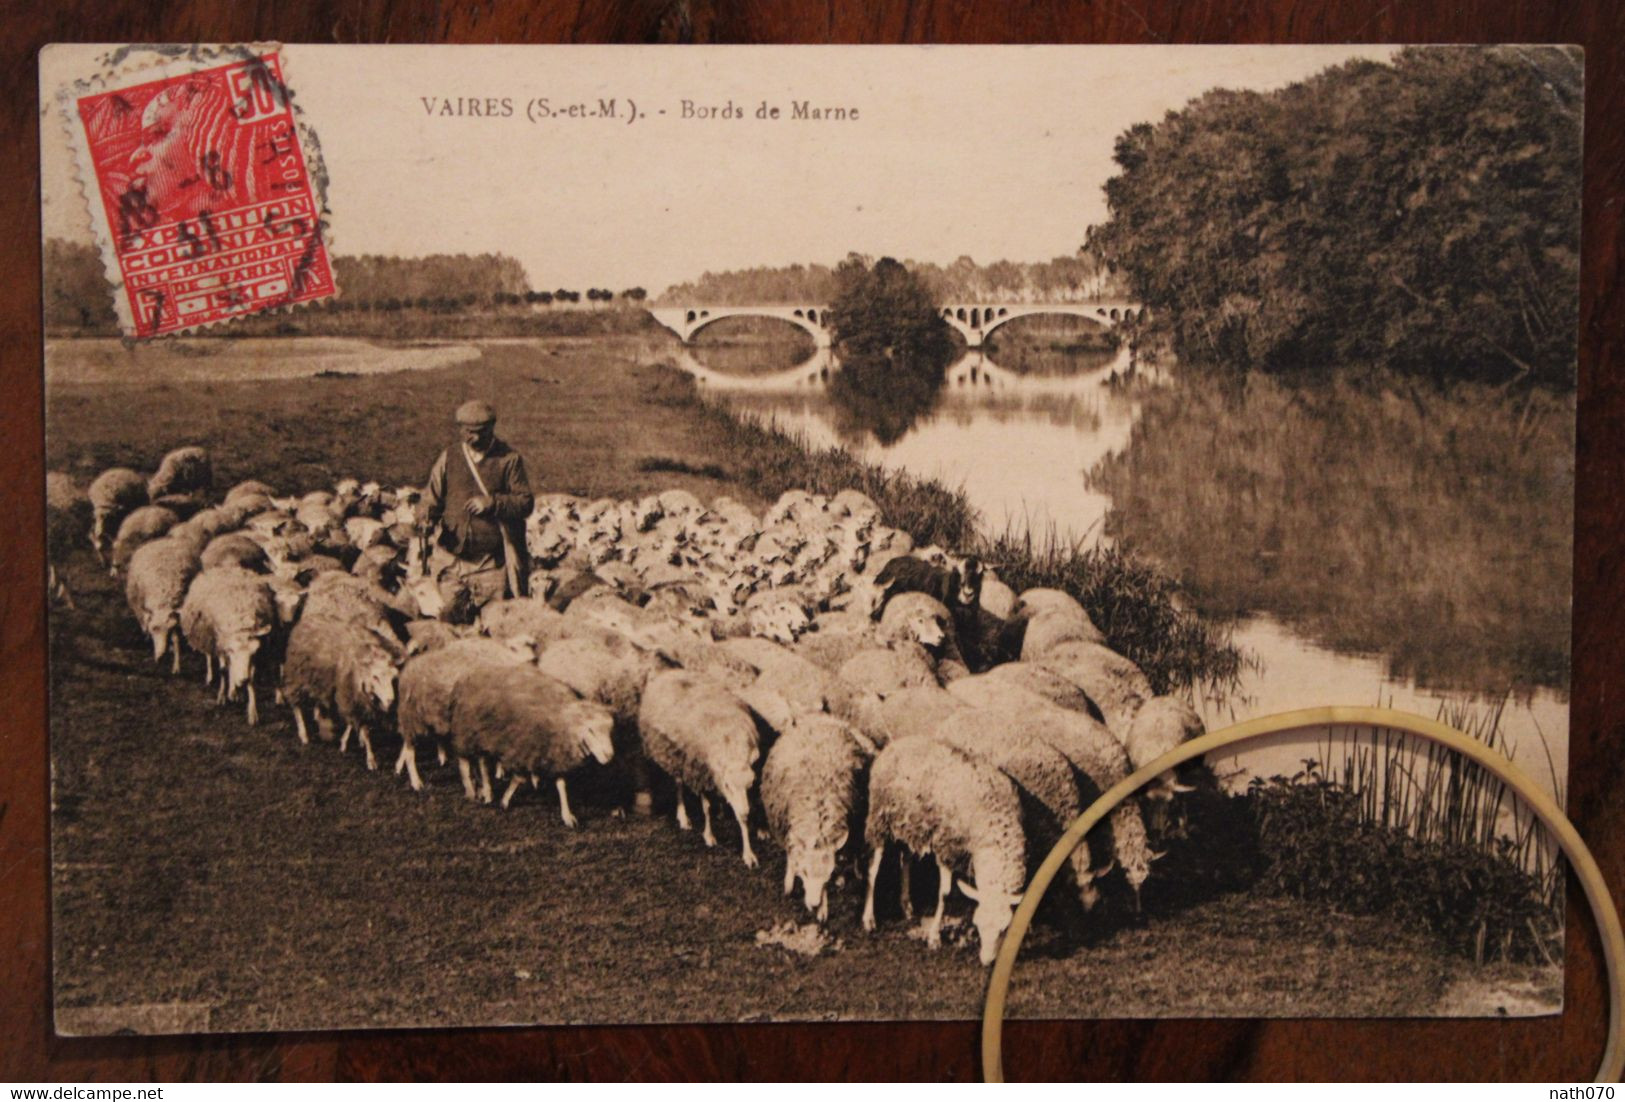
[[1135, 605], [1380, 820], [1439, 797], [770, 461]]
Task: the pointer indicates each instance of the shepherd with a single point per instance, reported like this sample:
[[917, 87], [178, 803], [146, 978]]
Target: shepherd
[[479, 495]]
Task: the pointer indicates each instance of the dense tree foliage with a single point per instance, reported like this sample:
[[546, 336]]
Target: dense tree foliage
[[892, 343], [78, 297], [408, 278], [1422, 215], [1064, 279]]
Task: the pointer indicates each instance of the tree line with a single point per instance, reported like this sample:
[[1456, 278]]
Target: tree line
[[78, 297], [1078, 278], [1420, 216]]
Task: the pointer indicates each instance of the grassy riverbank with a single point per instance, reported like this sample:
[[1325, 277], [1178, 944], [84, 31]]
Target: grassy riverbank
[[1135, 605], [226, 878], [594, 418], [342, 319]]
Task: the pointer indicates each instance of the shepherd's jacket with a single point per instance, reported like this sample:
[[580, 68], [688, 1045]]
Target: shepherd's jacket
[[451, 485]]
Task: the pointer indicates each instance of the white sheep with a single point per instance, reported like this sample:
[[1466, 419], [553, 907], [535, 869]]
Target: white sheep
[[144, 525], [114, 495], [679, 503], [938, 801], [339, 595], [715, 661], [364, 692], [997, 599], [226, 616], [786, 684], [328, 659], [919, 618], [1041, 771], [524, 616], [1052, 618], [531, 725], [202, 527], [364, 532], [424, 693], [836, 637], [194, 536], [216, 520], [683, 601], [811, 784], [734, 514], [608, 609], [886, 669], [605, 668], [854, 504], [1161, 724], [423, 636], [700, 734], [273, 522], [67, 508], [1097, 755], [250, 489], [793, 506], [1113, 682], [235, 549], [990, 685], [782, 616], [902, 713], [185, 473], [159, 574]]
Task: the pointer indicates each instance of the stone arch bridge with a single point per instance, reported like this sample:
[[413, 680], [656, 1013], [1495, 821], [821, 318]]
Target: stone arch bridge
[[973, 321], [686, 321]]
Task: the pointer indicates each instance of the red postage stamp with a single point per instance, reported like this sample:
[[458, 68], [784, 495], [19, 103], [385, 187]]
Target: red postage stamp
[[201, 187]]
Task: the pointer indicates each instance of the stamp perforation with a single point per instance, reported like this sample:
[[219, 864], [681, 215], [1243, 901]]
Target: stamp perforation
[[282, 263]]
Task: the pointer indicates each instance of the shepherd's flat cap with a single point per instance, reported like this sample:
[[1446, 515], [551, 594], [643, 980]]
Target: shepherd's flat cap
[[475, 412]]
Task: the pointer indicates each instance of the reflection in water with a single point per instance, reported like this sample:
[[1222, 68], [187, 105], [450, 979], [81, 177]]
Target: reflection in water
[[1021, 445], [871, 397], [1297, 674], [1434, 526], [810, 374]]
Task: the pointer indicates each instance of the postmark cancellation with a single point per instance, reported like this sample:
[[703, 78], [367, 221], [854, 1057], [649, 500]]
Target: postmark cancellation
[[204, 188]]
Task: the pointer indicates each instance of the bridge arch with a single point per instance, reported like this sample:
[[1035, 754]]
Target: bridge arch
[[806, 321], [1039, 311], [1104, 315], [973, 321]]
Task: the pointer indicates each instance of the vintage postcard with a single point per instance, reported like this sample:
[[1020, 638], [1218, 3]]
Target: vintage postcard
[[625, 534]]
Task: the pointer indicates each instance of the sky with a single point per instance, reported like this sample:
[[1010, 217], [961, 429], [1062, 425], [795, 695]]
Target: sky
[[991, 152]]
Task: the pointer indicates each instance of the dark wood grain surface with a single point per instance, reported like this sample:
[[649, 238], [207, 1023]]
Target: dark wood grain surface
[[1565, 1048]]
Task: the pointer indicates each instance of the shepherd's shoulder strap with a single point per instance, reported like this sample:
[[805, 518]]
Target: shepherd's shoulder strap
[[473, 469]]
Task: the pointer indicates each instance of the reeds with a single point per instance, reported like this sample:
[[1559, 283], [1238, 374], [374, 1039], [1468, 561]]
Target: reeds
[[1134, 604], [1439, 797], [1381, 821]]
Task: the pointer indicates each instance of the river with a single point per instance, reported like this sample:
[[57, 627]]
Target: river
[[1022, 444]]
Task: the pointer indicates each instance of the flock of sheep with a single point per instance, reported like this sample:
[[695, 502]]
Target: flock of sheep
[[865, 691]]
